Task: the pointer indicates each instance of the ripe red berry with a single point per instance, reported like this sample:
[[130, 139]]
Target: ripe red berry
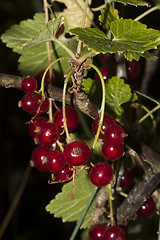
[[64, 175], [101, 174], [127, 179], [29, 85], [72, 118], [97, 231], [47, 135], [33, 104], [39, 157], [55, 161], [147, 209], [107, 121], [76, 153], [133, 69], [35, 125], [114, 233], [105, 73], [114, 134], [112, 152]]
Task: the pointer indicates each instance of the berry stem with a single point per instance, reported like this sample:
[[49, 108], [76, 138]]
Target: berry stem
[[50, 110], [110, 204], [148, 97], [149, 113], [15, 201], [102, 109], [45, 72], [84, 213], [63, 106], [146, 13]]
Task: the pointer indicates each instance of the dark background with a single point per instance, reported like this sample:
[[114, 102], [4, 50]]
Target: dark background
[[30, 220]]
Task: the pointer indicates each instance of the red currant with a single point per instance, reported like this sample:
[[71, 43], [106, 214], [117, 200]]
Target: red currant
[[97, 231], [72, 118], [48, 134], [76, 153], [105, 73], [114, 233], [114, 134], [147, 209], [127, 178], [55, 161], [64, 175], [36, 125], [101, 174], [39, 157], [33, 104], [112, 152], [107, 121], [29, 85], [133, 69]]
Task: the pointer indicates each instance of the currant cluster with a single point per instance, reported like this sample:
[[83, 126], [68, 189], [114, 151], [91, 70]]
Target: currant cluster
[[100, 232]]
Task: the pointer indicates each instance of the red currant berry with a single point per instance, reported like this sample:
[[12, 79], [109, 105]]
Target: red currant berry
[[29, 85], [72, 118], [114, 233], [107, 121], [127, 179], [133, 69], [105, 73], [114, 134], [33, 104], [39, 157], [101, 174], [55, 161], [76, 153], [147, 209], [64, 175], [46, 79], [47, 135], [36, 125], [112, 152], [97, 231]]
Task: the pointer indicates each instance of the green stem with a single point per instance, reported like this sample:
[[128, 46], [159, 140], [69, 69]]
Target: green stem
[[149, 113], [84, 213], [85, 56], [146, 13], [102, 109], [64, 103], [42, 82], [150, 98]]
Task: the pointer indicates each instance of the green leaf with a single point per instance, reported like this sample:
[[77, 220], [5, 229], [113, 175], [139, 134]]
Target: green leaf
[[108, 15], [133, 2], [71, 210], [35, 59], [117, 93], [129, 37]]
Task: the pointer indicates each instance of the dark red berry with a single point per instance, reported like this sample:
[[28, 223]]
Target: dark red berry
[[76, 153], [33, 104], [64, 175], [55, 161], [97, 231], [47, 135], [29, 85], [133, 69], [114, 134], [147, 209], [101, 174], [59, 31], [107, 121], [35, 126], [72, 118], [39, 157], [105, 73], [46, 79], [112, 152], [127, 179], [114, 233]]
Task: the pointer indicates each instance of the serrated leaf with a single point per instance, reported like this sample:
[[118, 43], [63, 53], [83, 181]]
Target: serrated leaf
[[108, 15], [74, 13], [133, 2], [117, 93], [47, 33], [129, 37], [71, 210], [35, 59]]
